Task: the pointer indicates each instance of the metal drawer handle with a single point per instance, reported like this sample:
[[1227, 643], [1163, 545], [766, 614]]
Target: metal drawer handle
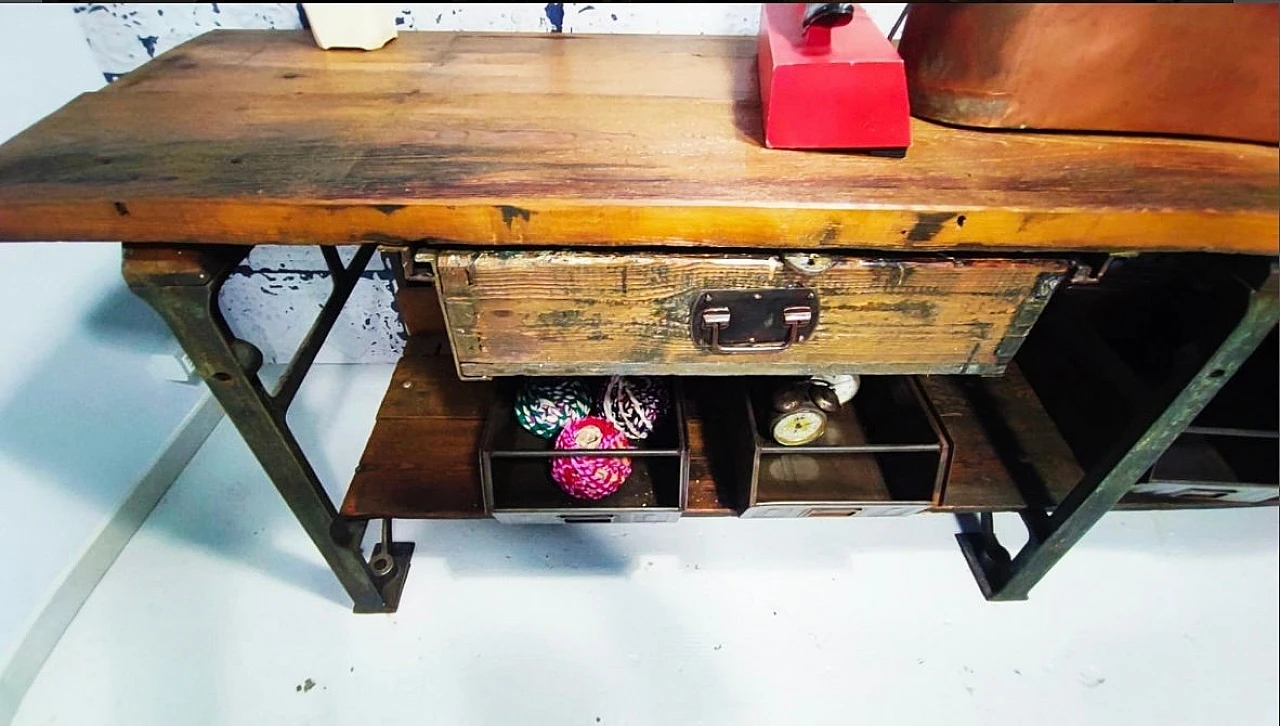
[[793, 317]]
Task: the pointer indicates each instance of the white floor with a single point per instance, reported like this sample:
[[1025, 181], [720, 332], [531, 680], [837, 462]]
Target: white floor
[[220, 612]]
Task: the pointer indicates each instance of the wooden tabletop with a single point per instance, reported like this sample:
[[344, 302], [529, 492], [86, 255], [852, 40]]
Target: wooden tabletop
[[488, 139]]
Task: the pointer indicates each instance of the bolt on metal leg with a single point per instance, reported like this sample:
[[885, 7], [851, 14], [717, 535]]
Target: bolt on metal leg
[[390, 565], [382, 563]]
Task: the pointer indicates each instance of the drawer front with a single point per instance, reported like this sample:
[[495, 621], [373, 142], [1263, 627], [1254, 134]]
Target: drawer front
[[578, 516], [579, 313]]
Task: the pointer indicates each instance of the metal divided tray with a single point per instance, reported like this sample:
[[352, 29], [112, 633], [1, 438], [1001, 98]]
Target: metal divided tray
[[516, 478], [883, 454]]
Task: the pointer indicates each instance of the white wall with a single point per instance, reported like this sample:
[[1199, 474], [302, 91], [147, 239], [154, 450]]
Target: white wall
[[262, 299], [81, 418]]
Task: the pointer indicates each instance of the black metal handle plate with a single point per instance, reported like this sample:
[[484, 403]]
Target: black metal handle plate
[[753, 321]]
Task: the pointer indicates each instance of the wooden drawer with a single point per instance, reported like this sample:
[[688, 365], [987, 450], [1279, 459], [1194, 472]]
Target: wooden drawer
[[582, 313]]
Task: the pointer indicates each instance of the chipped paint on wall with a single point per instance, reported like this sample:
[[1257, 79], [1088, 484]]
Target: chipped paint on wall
[[123, 36], [272, 298], [268, 299], [686, 18]]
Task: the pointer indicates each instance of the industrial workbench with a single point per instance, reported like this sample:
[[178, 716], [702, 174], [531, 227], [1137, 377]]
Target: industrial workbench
[[1071, 306]]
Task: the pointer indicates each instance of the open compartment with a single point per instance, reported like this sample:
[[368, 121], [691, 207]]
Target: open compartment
[[1230, 453], [515, 469], [1107, 353], [881, 454]]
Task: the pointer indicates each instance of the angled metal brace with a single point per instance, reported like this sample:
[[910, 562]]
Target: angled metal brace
[[1051, 536], [344, 281]]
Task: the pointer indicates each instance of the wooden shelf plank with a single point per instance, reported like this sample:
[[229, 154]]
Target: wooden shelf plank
[[710, 481], [422, 460], [1006, 451]]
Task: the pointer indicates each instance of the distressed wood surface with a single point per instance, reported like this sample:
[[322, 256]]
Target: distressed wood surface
[[563, 313], [251, 137], [423, 457], [420, 309], [1005, 449]]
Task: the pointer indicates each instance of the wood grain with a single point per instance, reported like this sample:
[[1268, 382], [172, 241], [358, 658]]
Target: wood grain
[[419, 307], [712, 479], [250, 137], [423, 457], [1006, 451], [577, 313], [418, 468]]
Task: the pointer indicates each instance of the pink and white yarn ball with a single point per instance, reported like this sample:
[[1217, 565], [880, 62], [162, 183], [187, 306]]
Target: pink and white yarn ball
[[590, 477]]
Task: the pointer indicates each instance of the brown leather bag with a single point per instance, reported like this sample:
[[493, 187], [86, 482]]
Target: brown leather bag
[[1201, 70]]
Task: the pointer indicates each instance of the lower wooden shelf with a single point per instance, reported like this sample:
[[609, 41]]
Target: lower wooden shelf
[[422, 459]]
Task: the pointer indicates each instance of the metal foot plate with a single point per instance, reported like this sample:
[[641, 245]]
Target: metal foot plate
[[990, 570], [392, 583]]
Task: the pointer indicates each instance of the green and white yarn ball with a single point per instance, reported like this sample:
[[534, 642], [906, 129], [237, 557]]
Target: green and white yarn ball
[[546, 405]]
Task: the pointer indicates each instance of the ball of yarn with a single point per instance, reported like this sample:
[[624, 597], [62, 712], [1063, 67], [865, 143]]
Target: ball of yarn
[[544, 406], [590, 477], [634, 404]]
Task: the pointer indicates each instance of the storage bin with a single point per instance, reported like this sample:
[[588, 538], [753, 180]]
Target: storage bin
[[515, 469], [882, 454]]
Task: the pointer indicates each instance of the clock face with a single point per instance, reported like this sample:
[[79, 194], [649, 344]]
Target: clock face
[[799, 427]]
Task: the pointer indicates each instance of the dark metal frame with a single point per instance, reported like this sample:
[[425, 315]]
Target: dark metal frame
[[1050, 536], [182, 284]]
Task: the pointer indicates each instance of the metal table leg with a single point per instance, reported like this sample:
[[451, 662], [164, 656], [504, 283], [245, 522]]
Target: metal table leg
[[182, 284], [1002, 578]]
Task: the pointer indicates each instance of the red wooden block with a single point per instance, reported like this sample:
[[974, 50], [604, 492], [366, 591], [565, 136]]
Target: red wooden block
[[830, 88]]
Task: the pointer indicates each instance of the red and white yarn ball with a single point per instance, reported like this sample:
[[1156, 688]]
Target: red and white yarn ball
[[590, 477]]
